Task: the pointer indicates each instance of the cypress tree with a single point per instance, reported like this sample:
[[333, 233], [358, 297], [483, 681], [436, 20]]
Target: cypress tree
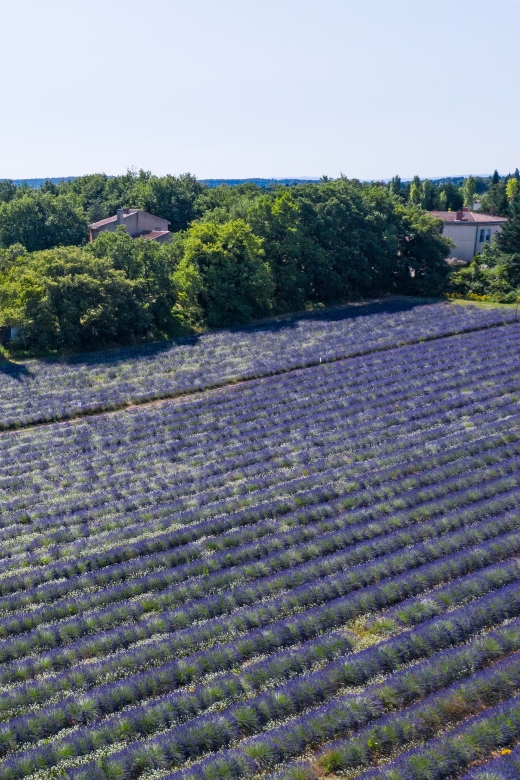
[[508, 240]]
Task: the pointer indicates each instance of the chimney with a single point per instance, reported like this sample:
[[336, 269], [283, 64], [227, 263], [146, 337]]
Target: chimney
[[121, 213], [459, 215]]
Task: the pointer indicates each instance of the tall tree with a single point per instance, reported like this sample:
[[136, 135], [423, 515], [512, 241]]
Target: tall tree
[[415, 196], [235, 281], [469, 189], [495, 178], [40, 220], [395, 186], [8, 190], [508, 240], [67, 298], [495, 201], [169, 197], [420, 267], [512, 189], [428, 192], [289, 251]]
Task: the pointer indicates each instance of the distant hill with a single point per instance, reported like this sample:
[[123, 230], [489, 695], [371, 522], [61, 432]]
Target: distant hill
[[456, 180], [259, 182], [210, 182], [38, 182]]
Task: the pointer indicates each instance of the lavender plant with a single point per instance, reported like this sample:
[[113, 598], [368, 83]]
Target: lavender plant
[[265, 578], [108, 380]]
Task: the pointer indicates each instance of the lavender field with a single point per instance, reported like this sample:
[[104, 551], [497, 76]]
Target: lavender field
[[45, 390], [310, 574]]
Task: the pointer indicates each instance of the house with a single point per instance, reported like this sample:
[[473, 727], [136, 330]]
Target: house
[[469, 231], [8, 332], [139, 224]]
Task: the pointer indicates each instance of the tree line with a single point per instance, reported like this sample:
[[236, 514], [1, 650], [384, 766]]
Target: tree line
[[59, 214], [493, 193], [237, 254]]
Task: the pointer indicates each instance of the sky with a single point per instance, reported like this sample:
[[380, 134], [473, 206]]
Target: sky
[[259, 88]]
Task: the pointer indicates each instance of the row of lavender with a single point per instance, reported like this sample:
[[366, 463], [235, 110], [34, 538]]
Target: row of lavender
[[39, 546], [215, 587], [43, 390], [368, 392], [331, 542]]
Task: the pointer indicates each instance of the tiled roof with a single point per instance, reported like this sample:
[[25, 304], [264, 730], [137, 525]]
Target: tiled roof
[[102, 222], [151, 235], [106, 221], [468, 217]]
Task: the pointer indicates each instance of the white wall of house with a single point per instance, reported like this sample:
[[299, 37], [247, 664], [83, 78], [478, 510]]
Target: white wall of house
[[463, 236], [491, 229], [469, 239], [146, 221]]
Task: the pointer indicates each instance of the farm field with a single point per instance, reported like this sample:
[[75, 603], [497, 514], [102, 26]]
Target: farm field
[[309, 574], [34, 391]]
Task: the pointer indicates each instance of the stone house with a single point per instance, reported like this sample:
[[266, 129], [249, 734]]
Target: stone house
[[139, 224], [469, 231]]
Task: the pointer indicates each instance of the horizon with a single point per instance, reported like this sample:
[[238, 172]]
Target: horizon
[[252, 179]]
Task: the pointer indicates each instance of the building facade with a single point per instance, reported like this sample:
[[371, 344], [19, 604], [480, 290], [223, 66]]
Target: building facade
[[138, 224], [469, 231]]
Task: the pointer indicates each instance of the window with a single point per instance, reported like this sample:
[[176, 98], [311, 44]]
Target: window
[[485, 234]]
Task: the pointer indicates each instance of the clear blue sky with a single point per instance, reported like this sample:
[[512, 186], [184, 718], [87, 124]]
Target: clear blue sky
[[239, 88]]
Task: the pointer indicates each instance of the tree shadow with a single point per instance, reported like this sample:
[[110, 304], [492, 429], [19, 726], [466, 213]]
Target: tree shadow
[[18, 371], [116, 355], [350, 311], [338, 313]]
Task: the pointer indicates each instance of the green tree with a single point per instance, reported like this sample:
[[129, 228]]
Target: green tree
[[427, 197], [334, 220], [415, 196], [67, 298], [469, 189], [495, 201], [508, 240], [96, 211], [9, 256], [235, 282], [395, 186], [8, 190], [491, 274], [150, 266], [169, 197], [512, 189], [495, 178], [101, 195], [40, 220], [420, 267], [188, 286], [289, 251], [452, 199]]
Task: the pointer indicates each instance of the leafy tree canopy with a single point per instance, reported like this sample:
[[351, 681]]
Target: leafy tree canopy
[[237, 254], [226, 264], [41, 220], [508, 240]]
